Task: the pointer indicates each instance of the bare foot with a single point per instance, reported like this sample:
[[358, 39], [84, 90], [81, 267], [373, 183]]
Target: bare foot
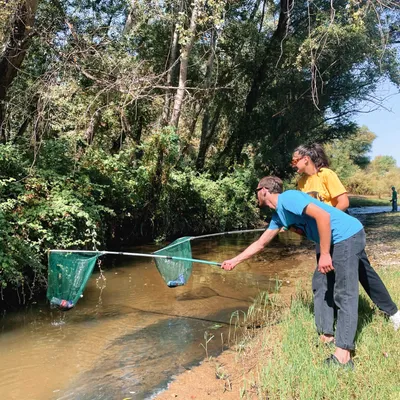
[[342, 355], [327, 338]]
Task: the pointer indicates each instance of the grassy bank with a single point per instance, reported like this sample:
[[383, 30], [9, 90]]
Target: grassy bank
[[295, 367]]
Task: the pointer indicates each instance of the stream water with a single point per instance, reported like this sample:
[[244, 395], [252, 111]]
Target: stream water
[[128, 339], [369, 210]]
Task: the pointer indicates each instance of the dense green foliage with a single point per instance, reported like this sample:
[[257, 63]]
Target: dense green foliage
[[123, 121]]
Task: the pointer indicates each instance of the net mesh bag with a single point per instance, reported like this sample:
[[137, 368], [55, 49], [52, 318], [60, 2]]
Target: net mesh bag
[[175, 272], [68, 275]]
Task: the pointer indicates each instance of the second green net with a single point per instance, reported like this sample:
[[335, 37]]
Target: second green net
[[175, 272]]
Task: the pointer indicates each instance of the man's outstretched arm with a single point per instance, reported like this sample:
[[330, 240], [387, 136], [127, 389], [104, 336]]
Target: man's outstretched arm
[[254, 248]]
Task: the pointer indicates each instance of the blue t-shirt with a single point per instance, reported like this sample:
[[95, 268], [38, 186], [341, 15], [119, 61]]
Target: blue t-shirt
[[290, 212]]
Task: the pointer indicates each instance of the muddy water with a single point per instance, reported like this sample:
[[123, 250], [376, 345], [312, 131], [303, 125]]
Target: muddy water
[[130, 334]]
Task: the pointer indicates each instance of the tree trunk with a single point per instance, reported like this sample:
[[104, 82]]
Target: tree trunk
[[196, 113], [207, 133], [170, 72], [15, 48], [91, 129], [185, 53], [130, 19]]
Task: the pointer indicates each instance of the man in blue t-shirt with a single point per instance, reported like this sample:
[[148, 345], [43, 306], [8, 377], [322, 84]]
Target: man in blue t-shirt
[[342, 242]]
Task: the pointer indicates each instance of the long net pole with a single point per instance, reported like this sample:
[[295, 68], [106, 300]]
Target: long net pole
[[122, 253], [170, 246], [227, 233]]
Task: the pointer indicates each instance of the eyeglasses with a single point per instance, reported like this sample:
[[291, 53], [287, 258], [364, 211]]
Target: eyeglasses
[[296, 160], [258, 189]]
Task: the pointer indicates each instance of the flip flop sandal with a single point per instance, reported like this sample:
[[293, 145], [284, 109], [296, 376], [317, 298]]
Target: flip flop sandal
[[333, 361]]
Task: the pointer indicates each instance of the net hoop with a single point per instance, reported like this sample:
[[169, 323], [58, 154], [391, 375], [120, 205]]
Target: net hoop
[[212, 235]]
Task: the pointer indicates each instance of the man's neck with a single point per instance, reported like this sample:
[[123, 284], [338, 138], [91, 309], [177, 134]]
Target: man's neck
[[274, 200]]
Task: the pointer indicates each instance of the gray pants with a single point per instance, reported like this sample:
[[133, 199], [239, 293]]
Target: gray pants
[[339, 290]]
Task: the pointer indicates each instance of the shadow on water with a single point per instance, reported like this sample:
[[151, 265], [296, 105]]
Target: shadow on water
[[130, 338], [124, 372]]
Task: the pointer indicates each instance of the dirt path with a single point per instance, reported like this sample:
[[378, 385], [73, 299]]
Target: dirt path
[[224, 377]]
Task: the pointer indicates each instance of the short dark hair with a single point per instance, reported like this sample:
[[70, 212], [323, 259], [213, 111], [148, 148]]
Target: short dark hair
[[272, 183]]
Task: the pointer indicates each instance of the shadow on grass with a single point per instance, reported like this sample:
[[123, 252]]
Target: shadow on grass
[[365, 315], [365, 311]]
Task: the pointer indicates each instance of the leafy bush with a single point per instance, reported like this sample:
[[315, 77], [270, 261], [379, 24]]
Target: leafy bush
[[193, 203], [42, 209]]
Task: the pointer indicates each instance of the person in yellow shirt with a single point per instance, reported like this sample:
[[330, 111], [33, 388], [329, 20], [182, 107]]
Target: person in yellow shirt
[[323, 184]]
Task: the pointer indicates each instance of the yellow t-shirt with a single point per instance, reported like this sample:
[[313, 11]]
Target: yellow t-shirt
[[324, 186]]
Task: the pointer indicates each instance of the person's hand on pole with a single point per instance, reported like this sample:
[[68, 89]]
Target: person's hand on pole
[[228, 265], [254, 248]]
